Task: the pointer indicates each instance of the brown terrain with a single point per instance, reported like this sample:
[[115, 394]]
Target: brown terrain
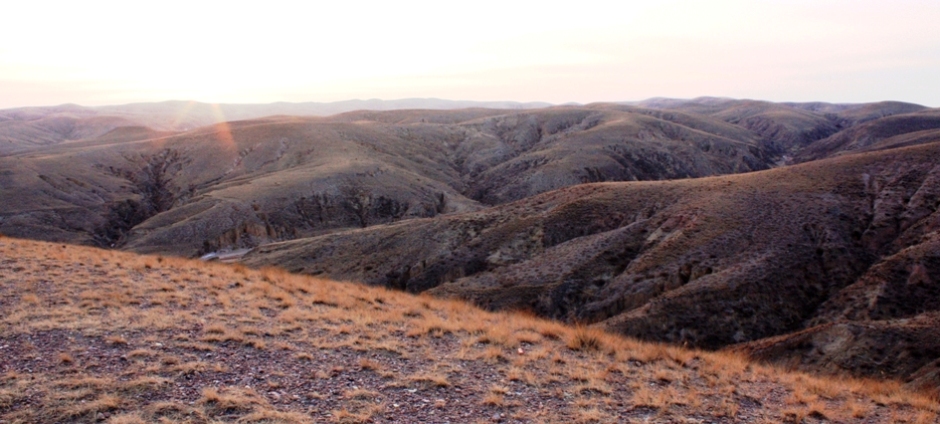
[[245, 183], [92, 335], [708, 262], [803, 234]]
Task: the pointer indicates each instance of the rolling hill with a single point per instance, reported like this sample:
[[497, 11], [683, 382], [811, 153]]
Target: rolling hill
[[245, 183], [894, 131], [679, 221]]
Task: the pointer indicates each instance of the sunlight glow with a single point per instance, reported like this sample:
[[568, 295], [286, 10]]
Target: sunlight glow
[[105, 52], [224, 130]]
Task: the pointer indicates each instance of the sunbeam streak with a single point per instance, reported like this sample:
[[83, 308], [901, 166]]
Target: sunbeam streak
[[223, 130]]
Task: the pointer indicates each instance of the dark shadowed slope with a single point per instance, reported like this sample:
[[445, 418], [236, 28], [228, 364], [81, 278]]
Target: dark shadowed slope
[[883, 324], [709, 262]]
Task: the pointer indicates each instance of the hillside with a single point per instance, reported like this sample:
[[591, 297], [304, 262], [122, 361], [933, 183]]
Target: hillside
[[101, 176], [103, 336], [707, 262], [18, 135], [795, 128], [895, 131], [782, 129], [246, 183], [678, 221]]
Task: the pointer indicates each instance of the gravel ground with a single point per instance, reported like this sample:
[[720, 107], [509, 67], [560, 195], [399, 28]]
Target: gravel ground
[[102, 336]]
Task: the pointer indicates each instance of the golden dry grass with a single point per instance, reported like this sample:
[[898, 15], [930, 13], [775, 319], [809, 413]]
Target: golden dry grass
[[93, 335]]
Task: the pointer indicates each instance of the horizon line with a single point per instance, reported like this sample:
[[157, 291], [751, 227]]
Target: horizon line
[[533, 103]]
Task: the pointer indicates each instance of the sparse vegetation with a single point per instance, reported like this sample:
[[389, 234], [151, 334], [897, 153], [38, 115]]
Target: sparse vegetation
[[703, 262], [113, 344]]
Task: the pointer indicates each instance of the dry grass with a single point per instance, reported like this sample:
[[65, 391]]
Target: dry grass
[[435, 380], [586, 338], [131, 339]]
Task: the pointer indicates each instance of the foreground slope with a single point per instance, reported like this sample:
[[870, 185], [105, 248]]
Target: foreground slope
[[708, 262], [102, 336]]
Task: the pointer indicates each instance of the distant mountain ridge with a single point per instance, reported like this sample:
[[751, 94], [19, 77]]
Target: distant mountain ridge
[[179, 115]]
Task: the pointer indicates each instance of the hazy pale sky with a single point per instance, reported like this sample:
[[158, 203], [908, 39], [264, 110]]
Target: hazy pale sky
[[112, 52]]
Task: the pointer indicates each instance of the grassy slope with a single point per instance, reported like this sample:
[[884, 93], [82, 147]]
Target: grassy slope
[[91, 335]]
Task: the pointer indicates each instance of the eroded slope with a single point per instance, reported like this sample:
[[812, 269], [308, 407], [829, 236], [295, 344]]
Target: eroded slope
[[708, 262], [246, 183]]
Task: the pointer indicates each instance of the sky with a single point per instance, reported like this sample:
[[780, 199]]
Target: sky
[[115, 52]]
